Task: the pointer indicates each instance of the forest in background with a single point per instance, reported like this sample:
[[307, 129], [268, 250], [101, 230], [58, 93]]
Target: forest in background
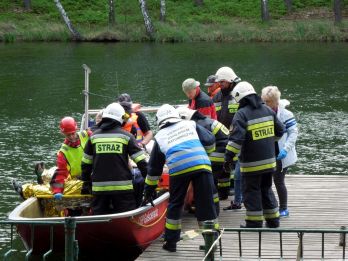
[[173, 20]]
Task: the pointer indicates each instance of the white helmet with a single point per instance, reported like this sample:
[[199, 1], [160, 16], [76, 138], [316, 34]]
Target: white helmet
[[226, 74], [241, 90], [185, 113], [166, 113], [114, 111]]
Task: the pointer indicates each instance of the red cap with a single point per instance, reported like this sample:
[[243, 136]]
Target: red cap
[[68, 125]]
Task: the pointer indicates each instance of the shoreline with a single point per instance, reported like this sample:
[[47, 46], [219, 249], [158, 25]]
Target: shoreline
[[235, 30]]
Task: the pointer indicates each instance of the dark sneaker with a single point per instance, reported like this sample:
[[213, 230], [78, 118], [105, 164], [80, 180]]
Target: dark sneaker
[[17, 186], [170, 247], [233, 206]]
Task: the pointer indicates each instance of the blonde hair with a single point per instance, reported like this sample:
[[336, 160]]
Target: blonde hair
[[271, 92]]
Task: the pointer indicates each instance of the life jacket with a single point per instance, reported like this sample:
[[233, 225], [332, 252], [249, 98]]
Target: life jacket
[[183, 149], [74, 155], [133, 121]]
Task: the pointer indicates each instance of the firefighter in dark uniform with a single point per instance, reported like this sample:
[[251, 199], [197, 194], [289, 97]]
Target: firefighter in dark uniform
[[226, 106], [106, 156], [221, 178], [183, 146], [253, 134]]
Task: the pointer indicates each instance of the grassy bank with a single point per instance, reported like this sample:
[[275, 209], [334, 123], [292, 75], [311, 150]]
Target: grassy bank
[[217, 20]]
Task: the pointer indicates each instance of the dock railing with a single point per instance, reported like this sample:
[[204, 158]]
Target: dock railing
[[71, 244], [214, 239]]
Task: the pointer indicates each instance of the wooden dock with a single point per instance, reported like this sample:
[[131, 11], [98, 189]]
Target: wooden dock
[[314, 202]]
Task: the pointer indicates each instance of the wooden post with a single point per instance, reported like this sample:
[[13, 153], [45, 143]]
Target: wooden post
[[264, 10], [76, 35], [111, 12], [147, 19], [288, 4], [27, 5], [163, 11], [338, 11]]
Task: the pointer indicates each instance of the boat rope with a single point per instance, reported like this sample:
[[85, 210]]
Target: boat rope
[[132, 219], [215, 242]]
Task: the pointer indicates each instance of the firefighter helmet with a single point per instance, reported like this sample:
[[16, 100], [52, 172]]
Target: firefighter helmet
[[166, 113], [68, 125], [114, 111], [241, 90]]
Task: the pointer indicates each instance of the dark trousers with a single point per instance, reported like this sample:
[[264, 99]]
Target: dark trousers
[[220, 174], [113, 203], [279, 182], [259, 200], [202, 183]]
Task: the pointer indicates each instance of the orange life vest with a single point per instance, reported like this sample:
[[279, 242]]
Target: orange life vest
[[133, 121]]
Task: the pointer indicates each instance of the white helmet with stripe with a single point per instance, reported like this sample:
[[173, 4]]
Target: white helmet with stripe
[[166, 113], [241, 90]]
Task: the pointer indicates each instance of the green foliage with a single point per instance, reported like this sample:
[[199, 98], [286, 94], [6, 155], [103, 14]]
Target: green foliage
[[216, 20]]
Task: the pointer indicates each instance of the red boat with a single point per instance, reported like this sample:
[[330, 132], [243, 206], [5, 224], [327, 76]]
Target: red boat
[[121, 233]]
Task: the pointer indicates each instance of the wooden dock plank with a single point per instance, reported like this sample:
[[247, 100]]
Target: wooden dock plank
[[314, 202]]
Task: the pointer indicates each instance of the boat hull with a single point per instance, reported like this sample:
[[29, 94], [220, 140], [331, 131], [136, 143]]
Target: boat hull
[[124, 232]]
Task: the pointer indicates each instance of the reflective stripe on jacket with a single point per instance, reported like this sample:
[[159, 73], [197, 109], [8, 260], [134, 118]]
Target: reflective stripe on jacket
[[106, 156], [226, 106], [183, 149], [253, 136]]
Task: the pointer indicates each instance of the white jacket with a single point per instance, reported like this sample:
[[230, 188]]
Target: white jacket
[[289, 138]]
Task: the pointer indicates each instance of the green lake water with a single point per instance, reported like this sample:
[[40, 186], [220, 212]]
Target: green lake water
[[42, 82]]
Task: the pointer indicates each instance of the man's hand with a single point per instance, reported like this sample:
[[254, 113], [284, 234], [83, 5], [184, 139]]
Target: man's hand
[[228, 166], [148, 195]]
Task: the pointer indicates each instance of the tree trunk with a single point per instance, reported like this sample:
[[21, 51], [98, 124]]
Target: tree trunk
[[163, 11], [338, 11], [111, 12], [264, 10], [75, 34], [147, 20], [288, 4], [199, 2], [27, 4]]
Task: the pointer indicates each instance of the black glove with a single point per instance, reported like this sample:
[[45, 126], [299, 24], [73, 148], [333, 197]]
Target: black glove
[[86, 188], [228, 166], [149, 194]]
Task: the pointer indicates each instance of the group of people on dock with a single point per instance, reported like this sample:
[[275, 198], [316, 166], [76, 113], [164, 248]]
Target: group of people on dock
[[229, 131]]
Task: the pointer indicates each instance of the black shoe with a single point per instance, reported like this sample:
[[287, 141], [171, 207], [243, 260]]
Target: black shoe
[[246, 225], [17, 186], [272, 225], [170, 247], [233, 206]]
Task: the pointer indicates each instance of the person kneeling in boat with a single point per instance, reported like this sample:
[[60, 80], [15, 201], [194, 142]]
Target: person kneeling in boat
[[184, 146], [106, 156], [63, 177], [69, 158], [136, 123]]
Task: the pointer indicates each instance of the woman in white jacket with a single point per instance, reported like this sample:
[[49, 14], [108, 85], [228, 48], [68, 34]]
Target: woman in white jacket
[[285, 147]]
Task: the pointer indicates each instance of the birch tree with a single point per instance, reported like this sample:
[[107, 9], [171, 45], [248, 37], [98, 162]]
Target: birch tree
[[27, 4], [199, 2], [147, 20], [264, 10], [111, 12], [75, 34], [337, 7], [163, 11], [288, 4]]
